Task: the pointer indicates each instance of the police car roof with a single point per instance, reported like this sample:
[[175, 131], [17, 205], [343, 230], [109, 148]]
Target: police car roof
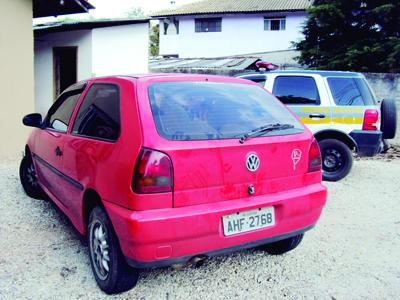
[[309, 72]]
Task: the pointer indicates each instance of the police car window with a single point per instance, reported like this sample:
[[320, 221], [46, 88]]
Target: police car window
[[350, 91], [257, 79], [300, 90]]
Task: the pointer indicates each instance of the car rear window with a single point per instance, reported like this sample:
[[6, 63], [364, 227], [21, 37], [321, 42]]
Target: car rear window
[[351, 91], [211, 110]]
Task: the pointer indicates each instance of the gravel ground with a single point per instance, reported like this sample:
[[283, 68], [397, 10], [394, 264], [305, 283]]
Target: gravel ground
[[353, 253]]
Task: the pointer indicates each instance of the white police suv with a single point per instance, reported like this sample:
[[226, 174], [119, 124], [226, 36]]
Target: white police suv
[[341, 110]]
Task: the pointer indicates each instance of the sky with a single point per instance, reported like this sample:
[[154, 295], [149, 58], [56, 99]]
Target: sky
[[118, 8]]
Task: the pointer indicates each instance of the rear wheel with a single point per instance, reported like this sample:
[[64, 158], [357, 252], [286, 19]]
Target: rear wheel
[[28, 178], [112, 273], [283, 246], [337, 159], [385, 146]]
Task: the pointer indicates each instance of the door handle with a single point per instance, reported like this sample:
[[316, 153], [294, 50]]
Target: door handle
[[58, 151], [317, 116]]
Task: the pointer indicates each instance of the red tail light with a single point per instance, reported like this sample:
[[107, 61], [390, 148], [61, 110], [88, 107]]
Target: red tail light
[[314, 157], [153, 173], [370, 118]]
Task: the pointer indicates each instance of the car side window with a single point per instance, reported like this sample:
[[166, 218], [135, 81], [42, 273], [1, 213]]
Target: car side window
[[59, 115], [99, 114], [350, 91], [257, 79], [300, 90]]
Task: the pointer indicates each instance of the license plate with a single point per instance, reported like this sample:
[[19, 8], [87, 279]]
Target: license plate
[[248, 220]]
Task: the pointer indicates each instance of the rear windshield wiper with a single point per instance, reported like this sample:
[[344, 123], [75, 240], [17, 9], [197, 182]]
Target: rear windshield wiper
[[262, 129]]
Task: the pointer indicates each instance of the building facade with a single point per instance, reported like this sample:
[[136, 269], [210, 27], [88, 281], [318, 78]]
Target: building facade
[[17, 71], [16, 74], [225, 28], [68, 53]]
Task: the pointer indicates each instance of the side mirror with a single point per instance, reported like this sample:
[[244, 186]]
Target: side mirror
[[33, 120]]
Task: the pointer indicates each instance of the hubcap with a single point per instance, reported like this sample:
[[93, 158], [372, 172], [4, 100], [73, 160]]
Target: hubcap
[[333, 160], [99, 249], [31, 175]]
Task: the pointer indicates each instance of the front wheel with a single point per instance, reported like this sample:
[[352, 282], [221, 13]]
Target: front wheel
[[28, 178], [337, 159], [283, 246], [112, 273]]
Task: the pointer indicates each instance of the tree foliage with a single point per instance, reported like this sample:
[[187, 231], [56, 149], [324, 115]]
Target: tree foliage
[[352, 35], [154, 40], [135, 12]]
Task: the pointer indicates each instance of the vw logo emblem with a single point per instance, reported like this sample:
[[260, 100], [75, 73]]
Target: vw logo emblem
[[252, 162]]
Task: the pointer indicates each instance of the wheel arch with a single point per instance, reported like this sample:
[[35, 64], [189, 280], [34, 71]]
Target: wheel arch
[[90, 200], [338, 135]]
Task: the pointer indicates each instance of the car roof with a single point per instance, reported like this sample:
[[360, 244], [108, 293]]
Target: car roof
[[309, 72], [173, 76], [166, 76]]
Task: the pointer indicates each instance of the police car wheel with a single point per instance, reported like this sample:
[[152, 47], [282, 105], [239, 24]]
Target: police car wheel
[[388, 118], [337, 159]]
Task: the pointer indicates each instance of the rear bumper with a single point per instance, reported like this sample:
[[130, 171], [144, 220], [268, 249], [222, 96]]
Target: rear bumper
[[183, 259], [369, 143], [163, 237]]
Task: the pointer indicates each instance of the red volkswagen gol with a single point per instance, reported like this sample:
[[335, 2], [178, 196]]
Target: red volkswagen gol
[[160, 170]]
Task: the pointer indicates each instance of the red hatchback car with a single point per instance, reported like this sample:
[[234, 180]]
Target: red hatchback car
[[159, 170]]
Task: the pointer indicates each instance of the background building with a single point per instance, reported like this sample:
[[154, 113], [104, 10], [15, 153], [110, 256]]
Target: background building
[[16, 72], [69, 52], [225, 28]]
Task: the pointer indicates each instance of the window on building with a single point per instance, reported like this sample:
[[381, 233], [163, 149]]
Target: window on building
[[171, 26], [99, 114], [208, 25], [274, 23], [296, 90]]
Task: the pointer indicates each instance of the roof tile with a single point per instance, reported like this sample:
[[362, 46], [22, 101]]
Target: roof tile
[[235, 6]]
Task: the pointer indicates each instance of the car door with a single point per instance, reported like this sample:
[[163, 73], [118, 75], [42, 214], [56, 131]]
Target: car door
[[49, 144], [351, 97], [89, 148], [306, 96]]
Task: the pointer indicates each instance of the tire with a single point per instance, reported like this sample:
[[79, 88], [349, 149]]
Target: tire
[[386, 146], [105, 252], [337, 159], [28, 178], [283, 246], [388, 118]]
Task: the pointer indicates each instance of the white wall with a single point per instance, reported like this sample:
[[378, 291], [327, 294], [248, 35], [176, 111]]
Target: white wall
[[120, 50], [16, 75], [241, 34], [44, 82]]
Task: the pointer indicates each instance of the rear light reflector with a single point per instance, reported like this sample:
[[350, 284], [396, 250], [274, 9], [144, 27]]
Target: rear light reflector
[[153, 173], [314, 157], [370, 119]]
